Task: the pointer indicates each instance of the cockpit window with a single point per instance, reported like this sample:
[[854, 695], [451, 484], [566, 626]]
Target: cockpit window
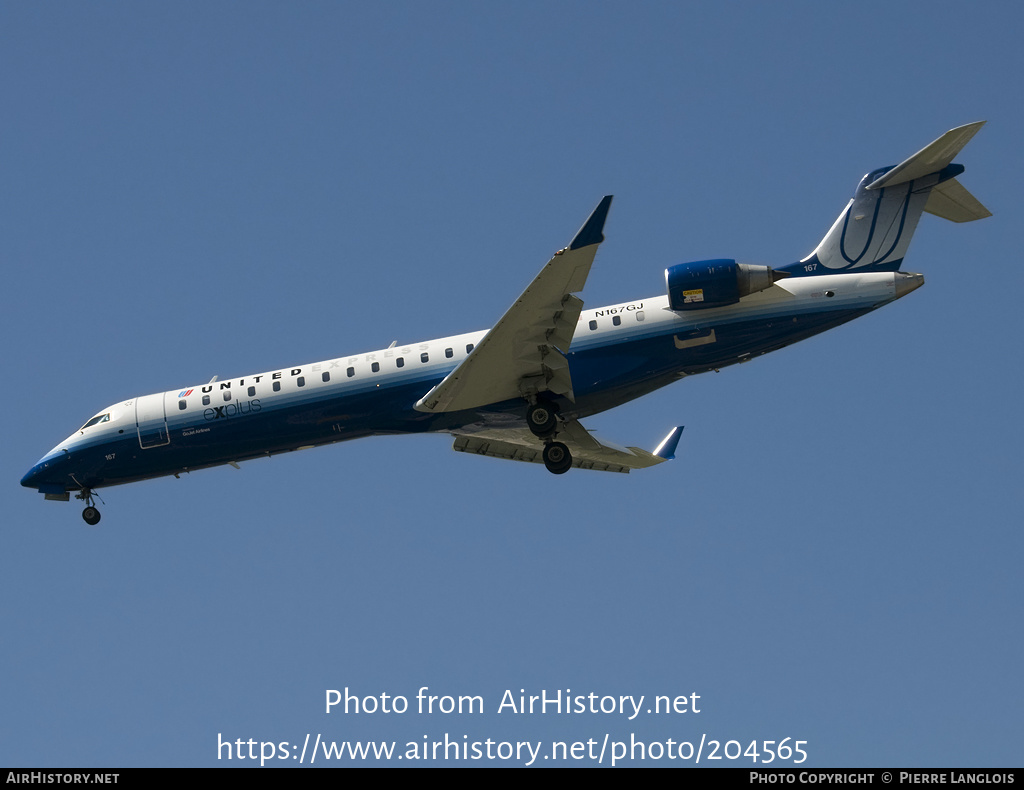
[[98, 418]]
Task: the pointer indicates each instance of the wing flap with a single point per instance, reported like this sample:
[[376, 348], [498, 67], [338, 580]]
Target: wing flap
[[496, 448], [588, 452]]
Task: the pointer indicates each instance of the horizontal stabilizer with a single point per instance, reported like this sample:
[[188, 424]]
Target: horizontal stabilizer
[[933, 158], [951, 200]]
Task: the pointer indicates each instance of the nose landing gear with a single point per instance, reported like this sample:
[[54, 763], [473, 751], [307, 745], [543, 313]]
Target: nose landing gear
[[91, 514]]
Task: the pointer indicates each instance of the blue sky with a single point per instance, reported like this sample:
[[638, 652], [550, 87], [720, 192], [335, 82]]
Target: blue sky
[[192, 190]]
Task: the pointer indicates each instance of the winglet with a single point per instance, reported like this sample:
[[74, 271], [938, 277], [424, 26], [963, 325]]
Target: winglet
[[667, 448], [591, 232]]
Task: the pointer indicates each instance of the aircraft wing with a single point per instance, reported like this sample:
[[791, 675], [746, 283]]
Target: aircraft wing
[[588, 452], [524, 353]]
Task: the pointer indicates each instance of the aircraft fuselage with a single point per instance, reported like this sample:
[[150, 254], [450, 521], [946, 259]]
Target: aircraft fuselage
[[618, 353]]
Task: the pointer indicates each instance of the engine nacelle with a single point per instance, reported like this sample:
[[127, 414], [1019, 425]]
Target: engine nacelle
[[717, 283]]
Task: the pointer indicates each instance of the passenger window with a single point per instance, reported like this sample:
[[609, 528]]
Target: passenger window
[[206, 400], [616, 320], [593, 325], [469, 347], [424, 357], [326, 377], [181, 405], [227, 394], [449, 353], [400, 362], [252, 391], [277, 386], [375, 367], [301, 381], [350, 372], [639, 315]]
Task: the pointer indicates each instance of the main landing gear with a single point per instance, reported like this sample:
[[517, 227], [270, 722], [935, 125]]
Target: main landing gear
[[557, 458], [91, 514], [542, 419]]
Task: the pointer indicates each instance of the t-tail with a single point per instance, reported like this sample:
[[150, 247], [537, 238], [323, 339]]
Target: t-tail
[[874, 231]]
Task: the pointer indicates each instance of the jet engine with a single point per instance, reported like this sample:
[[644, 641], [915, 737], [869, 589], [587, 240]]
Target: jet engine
[[716, 283]]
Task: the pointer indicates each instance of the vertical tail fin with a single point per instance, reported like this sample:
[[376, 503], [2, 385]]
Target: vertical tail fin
[[874, 231]]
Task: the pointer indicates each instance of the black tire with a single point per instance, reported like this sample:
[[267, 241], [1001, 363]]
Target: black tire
[[91, 516], [541, 419], [557, 458]]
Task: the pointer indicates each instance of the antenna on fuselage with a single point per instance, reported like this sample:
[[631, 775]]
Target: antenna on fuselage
[[212, 380]]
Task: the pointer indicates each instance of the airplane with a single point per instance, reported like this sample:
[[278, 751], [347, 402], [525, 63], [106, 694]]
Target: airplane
[[519, 390]]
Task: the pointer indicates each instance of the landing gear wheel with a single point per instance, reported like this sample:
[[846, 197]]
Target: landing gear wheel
[[557, 458], [541, 419], [91, 516]]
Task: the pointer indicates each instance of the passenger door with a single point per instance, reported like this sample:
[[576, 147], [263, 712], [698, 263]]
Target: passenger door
[[151, 421]]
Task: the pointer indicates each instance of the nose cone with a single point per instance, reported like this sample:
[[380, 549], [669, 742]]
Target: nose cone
[[30, 480], [36, 477], [48, 476]]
